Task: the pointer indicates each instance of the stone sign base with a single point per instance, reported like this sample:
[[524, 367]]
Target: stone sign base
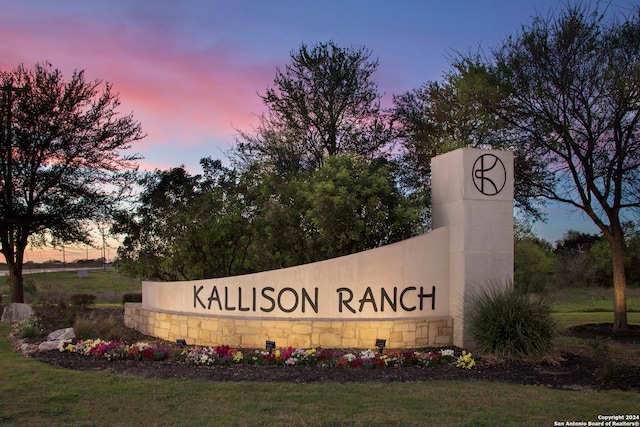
[[252, 333]]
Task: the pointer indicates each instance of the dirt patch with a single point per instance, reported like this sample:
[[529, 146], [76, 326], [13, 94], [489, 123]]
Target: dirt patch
[[605, 331], [565, 371]]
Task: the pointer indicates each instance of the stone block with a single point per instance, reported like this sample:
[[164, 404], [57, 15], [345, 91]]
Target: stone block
[[444, 340], [330, 340], [351, 343], [349, 333], [301, 328], [409, 337], [164, 325], [395, 336], [300, 341], [405, 327], [368, 335]]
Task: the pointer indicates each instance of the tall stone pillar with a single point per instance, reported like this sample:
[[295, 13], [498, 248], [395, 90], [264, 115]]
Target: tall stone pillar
[[472, 194]]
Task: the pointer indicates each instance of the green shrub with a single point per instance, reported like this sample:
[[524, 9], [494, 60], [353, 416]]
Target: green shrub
[[83, 300], [136, 297], [510, 324], [28, 328]]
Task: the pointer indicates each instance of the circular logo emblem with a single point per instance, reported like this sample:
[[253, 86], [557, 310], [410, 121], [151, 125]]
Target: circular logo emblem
[[489, 174]]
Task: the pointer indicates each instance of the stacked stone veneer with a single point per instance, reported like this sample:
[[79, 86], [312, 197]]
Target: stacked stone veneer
[[252, 333]]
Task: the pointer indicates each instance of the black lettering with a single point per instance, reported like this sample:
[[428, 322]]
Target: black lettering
[[432, 295], [368, 297], [392, 303], [405, 308], [273, 302], [196, 296], [345, 302], [226, 300], [254, 299], [295, 305], [307, 297], [240, 307], [214, 297]]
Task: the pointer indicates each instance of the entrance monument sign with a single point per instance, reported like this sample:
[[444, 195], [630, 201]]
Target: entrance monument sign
[[410, 293]]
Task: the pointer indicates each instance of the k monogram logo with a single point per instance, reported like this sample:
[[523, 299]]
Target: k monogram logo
[[489, 174]]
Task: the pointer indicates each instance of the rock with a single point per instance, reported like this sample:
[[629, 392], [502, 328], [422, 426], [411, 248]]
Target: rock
[[55, 338], [48, 346], [61, 335], [16, 312], [28, 348]]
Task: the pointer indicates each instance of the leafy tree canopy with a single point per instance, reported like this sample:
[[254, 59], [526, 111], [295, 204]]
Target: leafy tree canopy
[[63, 159], [567, 88]]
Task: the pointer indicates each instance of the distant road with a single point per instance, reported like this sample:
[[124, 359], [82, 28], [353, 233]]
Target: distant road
[[53, 270]]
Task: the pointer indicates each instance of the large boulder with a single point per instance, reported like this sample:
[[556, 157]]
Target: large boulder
[[16, 312]]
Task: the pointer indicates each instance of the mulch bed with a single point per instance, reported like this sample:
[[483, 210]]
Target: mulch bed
[[567, 371]]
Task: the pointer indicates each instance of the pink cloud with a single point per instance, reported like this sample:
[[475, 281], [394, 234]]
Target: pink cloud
[[178, 94]]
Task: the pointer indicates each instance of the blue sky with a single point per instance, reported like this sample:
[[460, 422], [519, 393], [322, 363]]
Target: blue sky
[[190, 71]]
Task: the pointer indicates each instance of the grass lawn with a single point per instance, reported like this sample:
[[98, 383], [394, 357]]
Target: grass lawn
[[586, 300], [107, 285], [32, 393]]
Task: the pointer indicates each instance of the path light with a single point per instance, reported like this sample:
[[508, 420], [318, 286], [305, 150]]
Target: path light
[[181, 342], [270, 345], [381, 344]]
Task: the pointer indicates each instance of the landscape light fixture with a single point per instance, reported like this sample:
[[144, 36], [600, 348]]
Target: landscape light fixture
[[270, 345], [181, 342], [381, 344]]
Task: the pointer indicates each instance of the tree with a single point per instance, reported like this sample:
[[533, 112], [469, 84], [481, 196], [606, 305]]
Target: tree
[[322, 123], [533, 260], [324, 103], [569, 89], [62, 159], [153, 225], [576, 265], [188, 227], [349, 204], [354, 205], [443, 116], [600, 256]]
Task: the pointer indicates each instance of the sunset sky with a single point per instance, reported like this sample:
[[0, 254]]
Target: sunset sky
[[191, 71]]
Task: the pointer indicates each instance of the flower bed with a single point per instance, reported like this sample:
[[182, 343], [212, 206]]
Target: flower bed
[[224, 355]]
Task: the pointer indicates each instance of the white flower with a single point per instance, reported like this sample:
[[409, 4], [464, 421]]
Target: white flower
[[368, 354], [291, 361], [446, 352], [62, 345]]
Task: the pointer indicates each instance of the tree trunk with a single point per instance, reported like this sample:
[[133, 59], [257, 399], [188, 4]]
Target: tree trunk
[[619, 282], [17, 282], [14, 257]]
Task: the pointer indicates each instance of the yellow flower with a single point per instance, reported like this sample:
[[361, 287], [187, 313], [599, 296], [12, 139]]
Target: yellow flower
[[465, 361]]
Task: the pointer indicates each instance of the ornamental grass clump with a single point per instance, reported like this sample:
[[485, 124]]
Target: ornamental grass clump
[[510, 324]]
